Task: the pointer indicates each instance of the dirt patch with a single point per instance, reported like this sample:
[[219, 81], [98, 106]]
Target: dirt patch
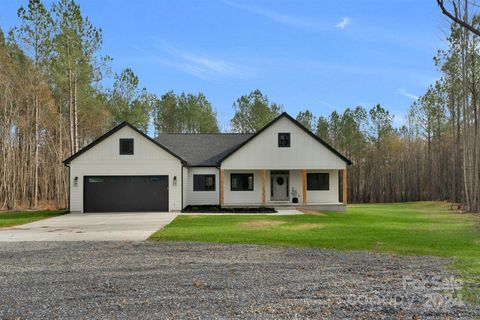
[[312, 213], [262, 223], [307, 226]]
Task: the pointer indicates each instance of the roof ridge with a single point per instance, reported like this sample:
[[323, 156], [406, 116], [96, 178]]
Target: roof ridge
[[202, 133]]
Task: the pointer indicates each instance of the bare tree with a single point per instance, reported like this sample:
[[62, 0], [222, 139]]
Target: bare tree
[[457, 16]]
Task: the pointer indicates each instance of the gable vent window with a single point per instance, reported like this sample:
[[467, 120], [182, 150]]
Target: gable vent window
[[126, 146], [203, 182], [284, 140]]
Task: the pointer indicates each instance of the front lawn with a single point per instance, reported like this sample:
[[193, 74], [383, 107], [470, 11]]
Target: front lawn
[[417, 228], [13, 218]]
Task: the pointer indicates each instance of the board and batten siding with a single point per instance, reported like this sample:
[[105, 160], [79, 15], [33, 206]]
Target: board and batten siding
[[262, 152], [104, 160], [202, 197]]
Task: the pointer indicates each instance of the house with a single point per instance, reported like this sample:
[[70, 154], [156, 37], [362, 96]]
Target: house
[[125, 170]]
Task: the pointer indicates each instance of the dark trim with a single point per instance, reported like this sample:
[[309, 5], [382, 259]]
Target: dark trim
[[200, 166], [120, 151], [286, 115], [271, 187], [288, 187], [112, 131], [243, 174], [310, 174], [289, 139], [204, 175]]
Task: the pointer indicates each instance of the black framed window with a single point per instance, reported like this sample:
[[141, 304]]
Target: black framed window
[[284, 139], [126, 146], [241, 182], [318, 181], [203, 182]]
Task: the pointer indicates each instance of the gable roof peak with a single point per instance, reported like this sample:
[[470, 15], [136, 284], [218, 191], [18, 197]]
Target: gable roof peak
[[284, 114], [112, 131]]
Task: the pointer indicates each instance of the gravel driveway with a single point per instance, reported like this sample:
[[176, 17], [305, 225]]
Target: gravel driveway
[[92, 280]]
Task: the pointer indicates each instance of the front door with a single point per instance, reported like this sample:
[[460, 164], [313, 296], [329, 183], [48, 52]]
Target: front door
[[279, 185]]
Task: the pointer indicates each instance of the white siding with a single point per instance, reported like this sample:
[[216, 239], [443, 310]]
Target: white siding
[[263, 152], [202, 197], [104, 159]]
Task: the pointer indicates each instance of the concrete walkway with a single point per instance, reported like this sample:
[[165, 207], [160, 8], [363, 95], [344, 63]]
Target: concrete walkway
[[90, 227]]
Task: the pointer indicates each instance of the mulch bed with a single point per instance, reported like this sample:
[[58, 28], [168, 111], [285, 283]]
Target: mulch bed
[[218, 209]]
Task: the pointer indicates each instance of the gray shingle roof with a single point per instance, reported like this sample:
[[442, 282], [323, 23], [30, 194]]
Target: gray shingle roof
[[202, 149]]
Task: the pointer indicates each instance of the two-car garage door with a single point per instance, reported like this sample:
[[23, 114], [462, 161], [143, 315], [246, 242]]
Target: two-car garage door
[[125, 193]]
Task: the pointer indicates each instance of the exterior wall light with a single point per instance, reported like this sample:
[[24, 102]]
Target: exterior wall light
[[174, 180], [75, 181]]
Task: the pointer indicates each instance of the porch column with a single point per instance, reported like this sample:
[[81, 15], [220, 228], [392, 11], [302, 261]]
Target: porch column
[[344, 186], [304, 184], [264, 179], [221, 187]]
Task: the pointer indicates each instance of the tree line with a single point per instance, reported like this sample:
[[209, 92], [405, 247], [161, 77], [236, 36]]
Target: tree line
[[435, 154], [52, 103]]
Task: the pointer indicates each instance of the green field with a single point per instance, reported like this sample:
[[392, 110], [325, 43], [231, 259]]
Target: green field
[[13, 218], [417, 228]]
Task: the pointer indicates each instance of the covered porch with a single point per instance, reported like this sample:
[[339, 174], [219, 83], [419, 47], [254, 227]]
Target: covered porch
[[310, 188]]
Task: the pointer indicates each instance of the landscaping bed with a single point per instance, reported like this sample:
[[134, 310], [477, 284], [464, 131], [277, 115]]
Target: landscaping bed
[[218, 209]]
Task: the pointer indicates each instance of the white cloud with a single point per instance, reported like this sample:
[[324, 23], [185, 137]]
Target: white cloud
[[408, 94], [343, 23], [292, 21], [198, 65]]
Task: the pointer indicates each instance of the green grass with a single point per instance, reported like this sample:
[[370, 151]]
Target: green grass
[[417, 228], [13, 218]]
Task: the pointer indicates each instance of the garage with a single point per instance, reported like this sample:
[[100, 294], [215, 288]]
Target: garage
[[125, 193]]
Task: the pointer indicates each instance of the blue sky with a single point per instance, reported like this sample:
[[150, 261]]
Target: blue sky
[[316, 55]]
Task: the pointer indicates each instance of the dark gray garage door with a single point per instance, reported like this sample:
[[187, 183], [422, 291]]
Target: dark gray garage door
[[125, 193]]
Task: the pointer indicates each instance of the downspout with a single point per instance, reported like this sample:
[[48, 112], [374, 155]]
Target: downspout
[[219, 186], [182, 206], [69, 187]]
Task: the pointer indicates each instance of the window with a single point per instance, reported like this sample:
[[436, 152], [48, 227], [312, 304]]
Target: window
[[203, 182], [126, 146], [318, 181], [241, 182], [284, 140]]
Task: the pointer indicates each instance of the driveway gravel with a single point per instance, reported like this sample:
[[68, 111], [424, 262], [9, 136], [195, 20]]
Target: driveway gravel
[[169, 280]]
